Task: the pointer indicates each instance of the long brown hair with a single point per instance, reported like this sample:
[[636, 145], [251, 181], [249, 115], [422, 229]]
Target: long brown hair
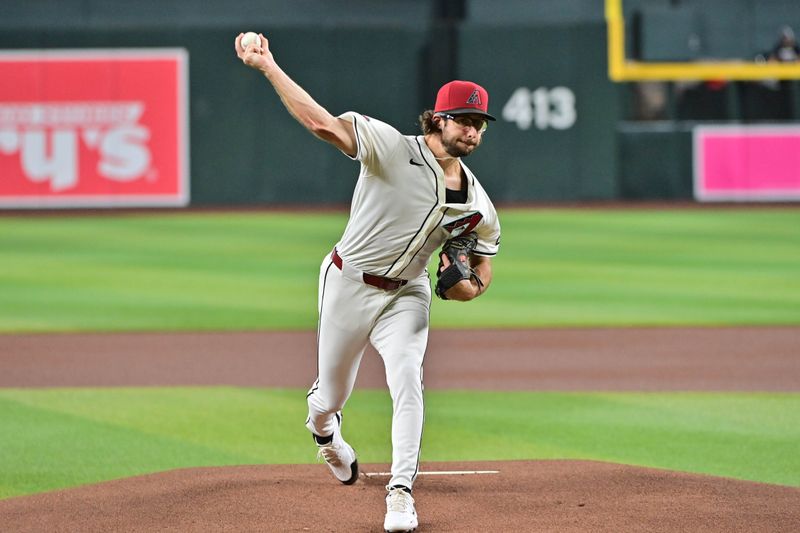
[[426, 122]]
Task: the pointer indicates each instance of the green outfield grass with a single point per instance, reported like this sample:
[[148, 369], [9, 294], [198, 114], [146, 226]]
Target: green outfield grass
[[258, 270], [65, 437]]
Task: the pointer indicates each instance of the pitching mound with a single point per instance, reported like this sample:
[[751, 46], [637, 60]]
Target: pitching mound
[[561, 496]]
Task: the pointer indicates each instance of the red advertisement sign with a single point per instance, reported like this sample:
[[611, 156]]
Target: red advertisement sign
[[83, 128]]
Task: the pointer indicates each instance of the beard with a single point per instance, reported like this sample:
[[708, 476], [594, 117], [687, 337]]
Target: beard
[[454, 149]]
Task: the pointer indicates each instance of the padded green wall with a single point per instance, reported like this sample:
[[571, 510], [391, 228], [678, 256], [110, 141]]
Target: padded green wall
[[544, 163], [386, 62], [246, 149]]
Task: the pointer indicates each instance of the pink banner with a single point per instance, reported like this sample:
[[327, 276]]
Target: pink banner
[[93, 128], [747, 162]]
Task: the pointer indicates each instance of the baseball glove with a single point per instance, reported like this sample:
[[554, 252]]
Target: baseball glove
[[457, 251]]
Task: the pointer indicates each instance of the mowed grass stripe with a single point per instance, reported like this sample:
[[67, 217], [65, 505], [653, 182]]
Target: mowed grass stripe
[[258, 270], [56, 438], [43, 449], [653, 267]]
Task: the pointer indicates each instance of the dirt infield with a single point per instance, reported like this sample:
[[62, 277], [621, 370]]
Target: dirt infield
[[563, 496], [624, 359], [557, 496]]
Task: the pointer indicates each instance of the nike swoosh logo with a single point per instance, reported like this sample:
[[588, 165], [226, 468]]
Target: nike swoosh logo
[[415, 163]]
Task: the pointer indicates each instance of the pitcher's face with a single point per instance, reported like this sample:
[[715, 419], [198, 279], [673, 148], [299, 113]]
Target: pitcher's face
[[462, 134]]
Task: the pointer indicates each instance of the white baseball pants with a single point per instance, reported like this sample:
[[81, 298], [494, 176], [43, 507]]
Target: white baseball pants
[[351, 314]]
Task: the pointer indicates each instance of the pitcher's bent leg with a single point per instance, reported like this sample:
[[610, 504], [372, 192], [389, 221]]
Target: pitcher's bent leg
[[341, 340]]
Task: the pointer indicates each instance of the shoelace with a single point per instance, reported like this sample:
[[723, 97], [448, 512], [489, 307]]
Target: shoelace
[[329, 454], [399, 501]]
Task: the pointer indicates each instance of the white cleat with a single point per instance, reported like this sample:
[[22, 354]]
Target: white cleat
[[340, 457], [400, 512]]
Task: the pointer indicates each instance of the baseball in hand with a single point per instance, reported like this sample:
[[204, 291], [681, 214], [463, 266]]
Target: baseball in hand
[[250, 38]]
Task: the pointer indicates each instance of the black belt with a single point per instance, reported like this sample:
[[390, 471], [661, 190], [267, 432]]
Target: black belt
[[387, 284]]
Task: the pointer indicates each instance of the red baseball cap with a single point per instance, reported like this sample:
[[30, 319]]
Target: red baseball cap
[[461, 97]]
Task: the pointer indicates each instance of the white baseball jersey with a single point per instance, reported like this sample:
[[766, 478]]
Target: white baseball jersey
[[398, 218], [394, 227]]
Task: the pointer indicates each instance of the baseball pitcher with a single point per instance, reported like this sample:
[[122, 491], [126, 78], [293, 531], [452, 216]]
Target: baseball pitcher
[[414, 197]]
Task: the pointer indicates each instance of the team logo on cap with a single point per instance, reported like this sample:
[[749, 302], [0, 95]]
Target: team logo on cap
[[474, 98]]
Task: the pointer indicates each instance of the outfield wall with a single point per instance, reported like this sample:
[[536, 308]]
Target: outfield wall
[[565, 132]]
